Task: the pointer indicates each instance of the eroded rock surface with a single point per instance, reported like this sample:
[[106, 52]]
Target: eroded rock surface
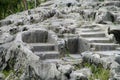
[[45, 43]]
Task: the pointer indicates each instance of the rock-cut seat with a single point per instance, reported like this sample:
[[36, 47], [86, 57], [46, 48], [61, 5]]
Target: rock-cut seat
[[43, 43]]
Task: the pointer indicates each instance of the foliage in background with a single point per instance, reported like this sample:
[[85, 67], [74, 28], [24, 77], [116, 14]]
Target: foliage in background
[[8, 7]]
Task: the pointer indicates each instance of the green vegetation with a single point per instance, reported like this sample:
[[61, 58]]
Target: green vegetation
[[101, 0], [8, 7], [98, 71], [16, 73], [7, 72], [67, 53]]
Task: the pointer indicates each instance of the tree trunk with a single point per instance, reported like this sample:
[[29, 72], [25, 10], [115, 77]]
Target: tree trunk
[[25, 4], [35, 3]]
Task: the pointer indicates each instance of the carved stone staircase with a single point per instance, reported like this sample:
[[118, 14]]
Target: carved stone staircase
[[45, 50], [96, 40], [42, 43]]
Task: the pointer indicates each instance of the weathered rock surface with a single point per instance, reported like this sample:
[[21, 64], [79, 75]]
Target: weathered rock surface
[[82, 74], [45, 43]]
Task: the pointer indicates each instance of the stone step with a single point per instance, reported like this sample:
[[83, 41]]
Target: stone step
[[112, 0], [92, 34], [75, 56], [103, 46], [112, 3], [42, 46], [87, 30], [72, 60], [88, 26], [69, 35], [52, 61], [118, 48], [48, 55], [107, 53], [98, 39]]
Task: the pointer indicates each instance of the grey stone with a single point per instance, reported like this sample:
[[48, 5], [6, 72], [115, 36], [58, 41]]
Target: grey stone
[[88, 14], [72, 45], [107, 61], [86, 71], [95, 58], [5, 22], [73, 60], [103, 46], [113, 67], [117, 59], [118, 20], [66, 3], [42, 46], [19, 22], [44, 71], [76, 75], [45, 33], [91, 34], [32, 37], [86, 56], [5, 38], [48, 55], [2, 76], [111, 3], [65, 71], [14, 30], [103, 16]]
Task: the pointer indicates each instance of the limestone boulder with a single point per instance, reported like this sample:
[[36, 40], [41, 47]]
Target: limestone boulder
[[86, 56], [95, 58], [14, 30], [41, 71], [77, 75], [67, 3], [118, 19], [5, 22], [5, 38], [14, 58], [104, 16], [2, 76], [113, 68], [65, 69], [112, 3], [117, 59], [107, 61], [115, 73], [86, 71], [88, 14]]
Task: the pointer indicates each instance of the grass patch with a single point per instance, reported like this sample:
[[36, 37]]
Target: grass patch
[[67, 54], [7, 72], [98, 72]]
